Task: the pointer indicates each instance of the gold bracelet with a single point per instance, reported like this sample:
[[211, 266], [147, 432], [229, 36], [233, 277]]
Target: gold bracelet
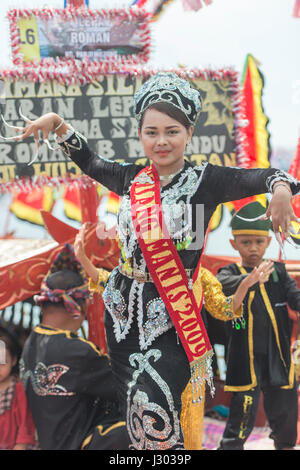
[[98, 286]]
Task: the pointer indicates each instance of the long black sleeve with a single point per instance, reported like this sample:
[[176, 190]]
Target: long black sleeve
[[230, 184], [229, 280], [292, 292], [113, 175], [223, 183]]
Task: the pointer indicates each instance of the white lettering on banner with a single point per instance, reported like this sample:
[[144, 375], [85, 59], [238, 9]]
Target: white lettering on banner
[[117, 131], [116, 106], [98, 109], [95, 130], [4, 154], [65, 107], [105, 149], [134, 148], [24, 89], [207, 144], [89, 37]]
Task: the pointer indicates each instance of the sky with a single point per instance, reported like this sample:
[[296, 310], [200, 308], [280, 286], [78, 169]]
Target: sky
[[221, 35]]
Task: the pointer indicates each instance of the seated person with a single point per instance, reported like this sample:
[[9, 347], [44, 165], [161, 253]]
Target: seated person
[[17, 430], [68, 381]]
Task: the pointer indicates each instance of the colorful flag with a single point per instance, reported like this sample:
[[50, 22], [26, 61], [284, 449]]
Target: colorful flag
[[256, 135], [71, 199], [27, 205], [295, 172]]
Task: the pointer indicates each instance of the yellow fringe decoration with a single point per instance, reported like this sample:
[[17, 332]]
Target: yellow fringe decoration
[[191, 418]]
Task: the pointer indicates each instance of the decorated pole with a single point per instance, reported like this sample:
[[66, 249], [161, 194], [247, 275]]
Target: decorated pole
[[89, 204]]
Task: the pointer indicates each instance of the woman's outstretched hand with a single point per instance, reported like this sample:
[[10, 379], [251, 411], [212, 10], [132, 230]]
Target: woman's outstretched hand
[[281, 210], [44, 124]]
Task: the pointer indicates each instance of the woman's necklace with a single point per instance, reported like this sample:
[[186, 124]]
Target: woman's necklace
[[169, 177]]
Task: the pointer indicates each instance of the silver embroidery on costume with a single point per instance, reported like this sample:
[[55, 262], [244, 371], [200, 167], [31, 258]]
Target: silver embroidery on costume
[[172, 206], [156, 321], [279, 175], [116, 306], [44, 379], [150, 426], [143, 179]]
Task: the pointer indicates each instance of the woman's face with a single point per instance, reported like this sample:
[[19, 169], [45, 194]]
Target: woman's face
[[164, 140]]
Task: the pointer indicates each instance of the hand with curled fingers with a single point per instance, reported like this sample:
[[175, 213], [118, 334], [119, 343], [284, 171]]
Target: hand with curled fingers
[[260, 274], [281, 210], [45, 124]]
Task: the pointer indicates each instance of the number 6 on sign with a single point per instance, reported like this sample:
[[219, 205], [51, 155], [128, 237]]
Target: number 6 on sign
[[29, 41]]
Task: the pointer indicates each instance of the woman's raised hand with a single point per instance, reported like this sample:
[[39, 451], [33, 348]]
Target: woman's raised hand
[[44, 124], [281, 210], [79, 244]]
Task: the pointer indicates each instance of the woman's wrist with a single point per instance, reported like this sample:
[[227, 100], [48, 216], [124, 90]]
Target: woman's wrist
[[56, 121], [282, 186], [59, 125]]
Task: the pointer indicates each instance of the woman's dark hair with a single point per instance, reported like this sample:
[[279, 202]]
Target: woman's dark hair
[[12, 345], [171, 111]]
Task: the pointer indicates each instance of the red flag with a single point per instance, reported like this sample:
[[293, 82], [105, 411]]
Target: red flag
[[72, 205], [296, 10], [295, 172], [27, 205]]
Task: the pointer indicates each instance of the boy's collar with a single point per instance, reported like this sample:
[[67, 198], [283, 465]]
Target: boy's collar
[[49, 330]]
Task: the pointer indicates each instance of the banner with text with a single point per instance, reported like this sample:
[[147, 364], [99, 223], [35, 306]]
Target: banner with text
[[103, 112], [114, 35]]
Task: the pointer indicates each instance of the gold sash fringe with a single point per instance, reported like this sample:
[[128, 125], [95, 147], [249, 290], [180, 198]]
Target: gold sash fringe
[[191, 418]]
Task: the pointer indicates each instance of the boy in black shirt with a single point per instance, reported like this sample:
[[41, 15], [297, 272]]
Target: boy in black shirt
[[259, 348]]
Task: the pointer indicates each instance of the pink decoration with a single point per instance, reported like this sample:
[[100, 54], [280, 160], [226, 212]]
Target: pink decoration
[[296, 10], [194, 5]]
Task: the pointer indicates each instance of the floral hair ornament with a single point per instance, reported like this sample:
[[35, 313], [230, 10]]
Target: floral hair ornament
[[168, 87], [65, 260]]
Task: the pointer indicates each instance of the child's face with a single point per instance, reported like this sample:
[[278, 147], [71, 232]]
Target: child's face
[[251, 248], [6, 366]]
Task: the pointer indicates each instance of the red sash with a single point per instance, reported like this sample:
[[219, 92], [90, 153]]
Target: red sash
[[165, 266]]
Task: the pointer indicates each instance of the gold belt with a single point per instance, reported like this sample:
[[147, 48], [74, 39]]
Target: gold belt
[[141, 277]]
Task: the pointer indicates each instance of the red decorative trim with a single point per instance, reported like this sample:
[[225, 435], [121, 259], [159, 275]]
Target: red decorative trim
[[28, 184]]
